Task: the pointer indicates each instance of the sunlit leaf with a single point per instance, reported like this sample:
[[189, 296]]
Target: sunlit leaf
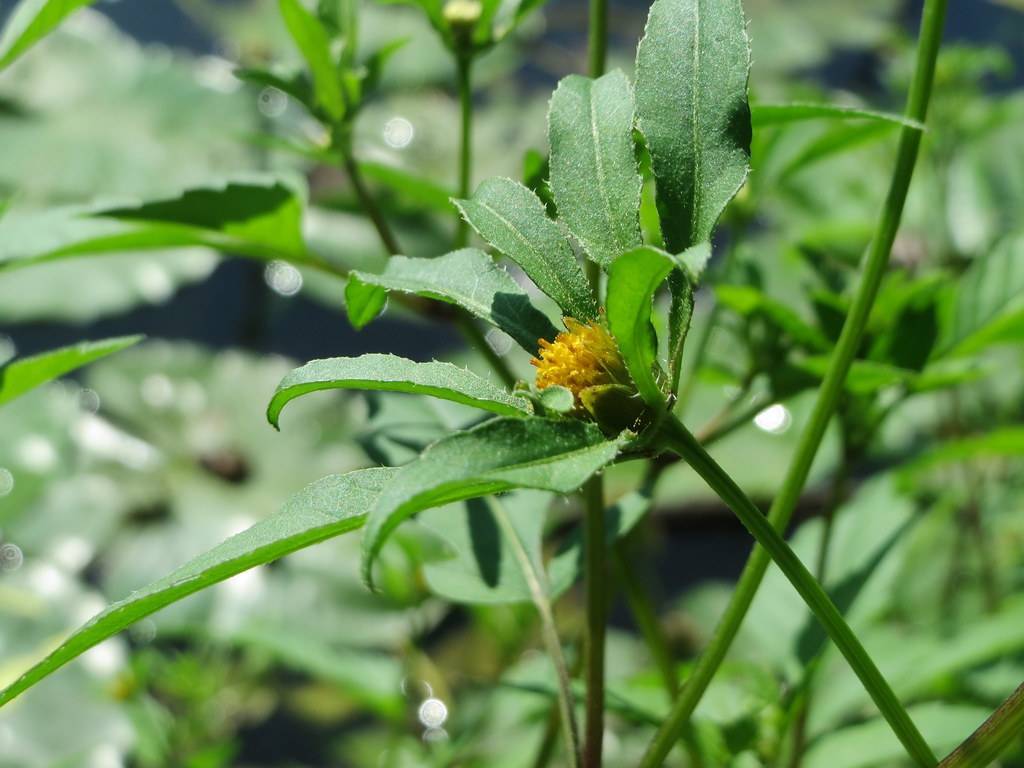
[[313, 42], [31, 21]]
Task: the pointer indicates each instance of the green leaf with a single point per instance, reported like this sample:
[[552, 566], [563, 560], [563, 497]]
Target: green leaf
[[469, 278], [866, 377], [496, 456], [679, 315], [19, 376], [691, 98], [1005, 442], [764, 115], [872, 743], [253, 218], [315, 46], [416, 189], [388, 372], [988, 304], [294, 84], [363, 302], [329, 507], [594, 175], [748, 301], [841, 138], [512, 219], [31, 21], [633, 280]]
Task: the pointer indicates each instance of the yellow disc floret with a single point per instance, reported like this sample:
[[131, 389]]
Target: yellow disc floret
[[584, 355]]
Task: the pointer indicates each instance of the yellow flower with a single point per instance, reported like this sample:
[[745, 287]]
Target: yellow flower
[[581, 357]]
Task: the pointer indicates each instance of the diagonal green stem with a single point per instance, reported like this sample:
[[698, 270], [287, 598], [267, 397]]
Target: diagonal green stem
[[993, 736], [932, 22], [535, 580], [675, 437]]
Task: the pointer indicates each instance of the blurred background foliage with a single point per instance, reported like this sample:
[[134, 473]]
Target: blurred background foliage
[[113, 479]]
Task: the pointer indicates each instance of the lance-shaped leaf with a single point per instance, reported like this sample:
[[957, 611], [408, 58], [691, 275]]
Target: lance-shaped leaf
[[469, 278], [633, 280], [329, 507], [512, 219], [763, 115], [988, 304], [388, 372], [19, 376], [30, 22], [496, 456], [594, 175], [691, 101], [315, 46]]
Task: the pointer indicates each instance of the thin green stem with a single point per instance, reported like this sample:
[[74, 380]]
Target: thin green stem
[[464, 77], [597, 37], [535, 578], [677, 438], [932, 22], [993, 736], [595, 579]]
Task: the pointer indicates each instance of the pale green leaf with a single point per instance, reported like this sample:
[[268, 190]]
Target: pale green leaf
[[388, 372], [315, 46], [594, 175], [764, 115], [470, 279], [512, 219], [21, 375], [988, 303], [496, 456], [691, 99], [363, 301], [31, 21], [329, 507]]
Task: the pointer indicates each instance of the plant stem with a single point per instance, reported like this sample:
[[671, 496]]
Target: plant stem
[[933, 18], [534, 577], [596, 583], [678, 439], [982, 747], [464, 72], [597, 37]]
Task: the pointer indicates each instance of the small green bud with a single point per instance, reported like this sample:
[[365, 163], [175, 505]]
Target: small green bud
[[462, 17]]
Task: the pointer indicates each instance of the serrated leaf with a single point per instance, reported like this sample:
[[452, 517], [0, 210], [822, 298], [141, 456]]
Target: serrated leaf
[[30, 22], [21, 375], [496, 456], [764, 115], [691, 99], [391, 373], [594, 175], [513, 220], [633, 280], [329, 507], [314, 44], [470, 279], [988, 303]]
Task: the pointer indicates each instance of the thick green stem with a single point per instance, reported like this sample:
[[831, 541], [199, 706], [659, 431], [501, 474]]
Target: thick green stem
[[597, 37], [993, 736], [464, 76], [828, 396], [595, 579], [675, 437]]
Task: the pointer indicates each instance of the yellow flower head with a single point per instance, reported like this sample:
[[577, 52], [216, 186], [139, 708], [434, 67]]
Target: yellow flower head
[[581, 357]]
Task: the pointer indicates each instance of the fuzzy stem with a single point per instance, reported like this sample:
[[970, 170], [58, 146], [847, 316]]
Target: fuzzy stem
[[596, 583]]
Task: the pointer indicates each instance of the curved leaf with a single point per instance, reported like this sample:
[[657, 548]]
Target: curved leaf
[[469, 278], [763, 115], [496, 456], [594, 175], [512, 219], [19, 376], [633, 280], [313, 43], [331, 506], [30, 22], [388, 372], [691, 99]]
